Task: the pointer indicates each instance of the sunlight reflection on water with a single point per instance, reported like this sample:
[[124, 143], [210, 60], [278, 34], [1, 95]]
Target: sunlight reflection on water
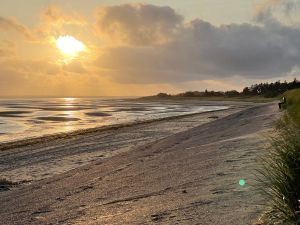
[[23, 118]]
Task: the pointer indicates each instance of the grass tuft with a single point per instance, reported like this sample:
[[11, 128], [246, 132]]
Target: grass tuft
[[279, 175], [293, 105]]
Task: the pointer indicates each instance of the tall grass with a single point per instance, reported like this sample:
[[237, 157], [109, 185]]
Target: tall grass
[[280, 172], [293, 105]]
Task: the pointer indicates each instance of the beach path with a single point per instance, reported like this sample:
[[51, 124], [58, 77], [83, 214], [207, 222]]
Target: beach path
[[191, 177]]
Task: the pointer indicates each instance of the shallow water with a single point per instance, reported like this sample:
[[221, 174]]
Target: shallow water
[[25, 118]]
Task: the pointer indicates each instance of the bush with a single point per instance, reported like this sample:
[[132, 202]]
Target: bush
[[163, 95], [280, 174], [293, 105]]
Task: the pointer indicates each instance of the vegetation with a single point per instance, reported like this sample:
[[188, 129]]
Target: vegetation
[[271, 89], [293, 105], [266, 90], [280, 173]]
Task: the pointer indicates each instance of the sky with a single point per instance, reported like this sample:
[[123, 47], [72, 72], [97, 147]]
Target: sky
[[138, 48]]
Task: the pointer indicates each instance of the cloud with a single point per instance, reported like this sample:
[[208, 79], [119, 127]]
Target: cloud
[[8, 24], [7, 49], [29, 67], [54, 21], [43, 78], [137, 24], [264, 10], [286, 11], [150, 47], [204, 51], [75, 67], [54, 14]]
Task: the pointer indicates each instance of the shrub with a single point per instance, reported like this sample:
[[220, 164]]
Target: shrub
[[293, 105], [280, 174]]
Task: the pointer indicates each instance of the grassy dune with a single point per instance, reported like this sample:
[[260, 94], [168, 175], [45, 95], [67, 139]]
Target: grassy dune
[[293, 104], [280, 173]]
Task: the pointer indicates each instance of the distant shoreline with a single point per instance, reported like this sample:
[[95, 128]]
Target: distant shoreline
[[198, 98]]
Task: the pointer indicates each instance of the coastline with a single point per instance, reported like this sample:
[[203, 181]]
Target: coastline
[[49, 137], [32, 119], [188, 177], [39, 158]]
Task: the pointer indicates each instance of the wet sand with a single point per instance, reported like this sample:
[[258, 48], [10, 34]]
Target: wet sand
[[176, 171], [39, 158]]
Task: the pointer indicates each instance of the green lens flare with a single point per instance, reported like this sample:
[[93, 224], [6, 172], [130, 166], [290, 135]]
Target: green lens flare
[[242, 182]]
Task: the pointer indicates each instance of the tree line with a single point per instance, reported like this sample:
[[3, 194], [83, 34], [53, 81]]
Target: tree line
[[268, 90]]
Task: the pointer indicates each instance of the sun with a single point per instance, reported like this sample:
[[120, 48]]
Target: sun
[[69, 45]]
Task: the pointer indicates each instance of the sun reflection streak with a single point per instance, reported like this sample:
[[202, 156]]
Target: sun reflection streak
[[69, 103], [69, 99]]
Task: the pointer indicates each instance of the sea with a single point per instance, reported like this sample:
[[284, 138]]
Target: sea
[[36, 117]]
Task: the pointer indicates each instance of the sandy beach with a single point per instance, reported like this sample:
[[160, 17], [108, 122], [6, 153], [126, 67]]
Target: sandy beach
[[182, 170]]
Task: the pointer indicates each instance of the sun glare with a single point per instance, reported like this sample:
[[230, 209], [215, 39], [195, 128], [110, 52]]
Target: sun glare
[[69, 45]]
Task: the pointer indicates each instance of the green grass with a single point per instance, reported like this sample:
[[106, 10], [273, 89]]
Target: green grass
[[279, 175], [293, 104]]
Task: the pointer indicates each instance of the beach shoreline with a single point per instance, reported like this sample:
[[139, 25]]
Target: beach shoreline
[[31, 118], [19, 142], [48, 137], [174, 171], [39, 158]]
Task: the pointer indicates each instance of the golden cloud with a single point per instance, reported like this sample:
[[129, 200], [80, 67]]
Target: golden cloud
[[54, 14], [8, 24], [7, 49]]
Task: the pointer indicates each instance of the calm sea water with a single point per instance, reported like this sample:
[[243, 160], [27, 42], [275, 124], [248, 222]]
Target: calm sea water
[[25, 118]]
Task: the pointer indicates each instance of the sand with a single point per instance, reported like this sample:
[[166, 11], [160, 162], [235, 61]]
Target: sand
[[176, 171]]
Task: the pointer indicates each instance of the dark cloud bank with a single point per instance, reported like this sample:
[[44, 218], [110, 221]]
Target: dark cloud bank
[[158, 43]]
